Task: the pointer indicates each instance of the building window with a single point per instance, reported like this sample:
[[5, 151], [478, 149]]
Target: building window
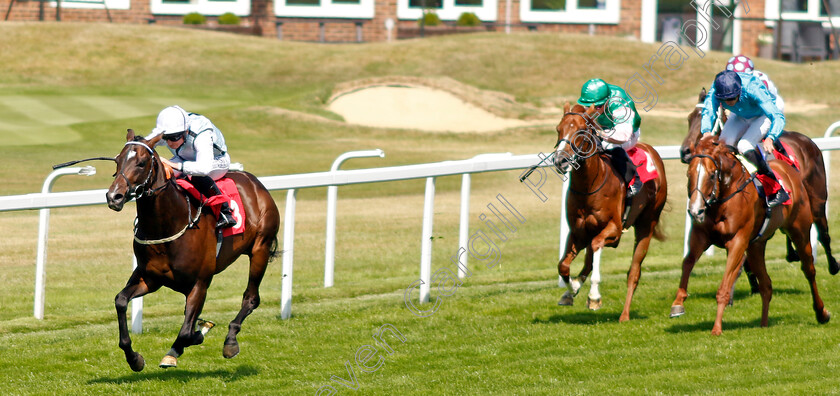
[[428, 3], [548, 5], [570, 11], [449, 10], [203, 7], [344, 9]]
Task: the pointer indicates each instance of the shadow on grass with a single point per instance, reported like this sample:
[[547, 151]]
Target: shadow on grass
[[706, 326], [586, 317], [176, 375], [743, 294]]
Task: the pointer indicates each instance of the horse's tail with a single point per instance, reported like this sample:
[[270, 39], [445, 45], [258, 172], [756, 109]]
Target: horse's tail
[[273, 253]]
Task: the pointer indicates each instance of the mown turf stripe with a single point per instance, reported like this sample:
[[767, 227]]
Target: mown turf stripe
[[38, 110]]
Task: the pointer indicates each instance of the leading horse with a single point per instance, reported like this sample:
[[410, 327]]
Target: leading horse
[[175, 244], [727, 212], [596, 204], [812, 168]]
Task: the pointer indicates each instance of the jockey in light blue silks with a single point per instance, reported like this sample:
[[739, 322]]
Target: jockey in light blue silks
[[199, 151], [617, 115], [753, 115]]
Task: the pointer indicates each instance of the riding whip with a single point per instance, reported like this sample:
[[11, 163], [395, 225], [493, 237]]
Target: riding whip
[[62, 165]]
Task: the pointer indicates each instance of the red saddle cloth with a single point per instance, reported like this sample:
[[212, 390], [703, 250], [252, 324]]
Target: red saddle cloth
[[771, 186], [792, 161], [229, 194], [644, 164]]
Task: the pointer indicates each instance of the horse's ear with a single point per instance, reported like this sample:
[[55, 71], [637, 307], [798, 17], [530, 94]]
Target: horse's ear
[[130, 135], [590, 110], [702, 95], [566, 107], [153, 141]]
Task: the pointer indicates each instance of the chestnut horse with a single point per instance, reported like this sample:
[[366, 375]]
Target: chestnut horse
[[727, 211], [813, 175], [596, 205], [175, 243]]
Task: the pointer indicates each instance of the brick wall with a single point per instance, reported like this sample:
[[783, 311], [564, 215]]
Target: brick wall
[[751, 29]]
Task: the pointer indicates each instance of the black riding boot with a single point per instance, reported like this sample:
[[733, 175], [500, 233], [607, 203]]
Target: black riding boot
[[763, 169], [625, 167], [207, 186]]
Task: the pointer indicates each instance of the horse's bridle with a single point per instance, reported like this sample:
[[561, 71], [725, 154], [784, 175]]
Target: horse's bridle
[[713, 200], [140, 190], [595, 140]]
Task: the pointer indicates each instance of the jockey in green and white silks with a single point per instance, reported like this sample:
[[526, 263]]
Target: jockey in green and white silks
[[620, 124], [199, 151], [753, 115]]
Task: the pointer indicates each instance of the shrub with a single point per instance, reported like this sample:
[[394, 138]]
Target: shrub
[[468, 19], [430, 19], [194, 18], [228, 18]]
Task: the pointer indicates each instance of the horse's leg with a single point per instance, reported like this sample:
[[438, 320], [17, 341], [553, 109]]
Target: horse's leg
[[825, 240], [594, 301], [643, 237], [188, 336], [250, 299], [698, 242], [791, 255], [573, 246], [803, 245], [736, 249], [135, 287], [584, 272], [755, 255]]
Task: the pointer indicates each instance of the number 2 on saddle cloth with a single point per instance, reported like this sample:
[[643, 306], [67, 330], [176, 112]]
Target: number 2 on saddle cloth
[[645, 167], [229, 193]]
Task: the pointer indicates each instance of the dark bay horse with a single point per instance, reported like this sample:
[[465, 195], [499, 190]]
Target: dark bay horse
[[595, 205], [175, 244], [813, 175], [727, 212]]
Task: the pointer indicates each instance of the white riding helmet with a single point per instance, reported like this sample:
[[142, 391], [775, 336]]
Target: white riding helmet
[[170, 120]]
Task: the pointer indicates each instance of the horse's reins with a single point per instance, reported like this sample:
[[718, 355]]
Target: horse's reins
[[153, 191], [577, 155], [716, 176]]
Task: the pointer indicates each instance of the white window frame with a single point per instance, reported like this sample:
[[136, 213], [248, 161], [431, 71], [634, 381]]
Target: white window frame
[[327, 9], [486, 12], [203, 7], [772, 9], [610, 14], [94, 4]]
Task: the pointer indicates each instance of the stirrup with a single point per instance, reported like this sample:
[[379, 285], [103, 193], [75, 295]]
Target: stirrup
[[779, 198], [225, 220]]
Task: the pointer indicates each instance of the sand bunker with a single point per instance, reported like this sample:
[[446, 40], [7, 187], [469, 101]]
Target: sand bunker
[[418, 107]]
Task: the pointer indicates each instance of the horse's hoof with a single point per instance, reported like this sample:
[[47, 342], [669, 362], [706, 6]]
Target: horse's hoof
[[833, 267], [168, 361], [593, 304], [624, 318], [137, 363], [826, 316], [792, 257], [677, 311], [204, 326], [566, 300], [230, 350]]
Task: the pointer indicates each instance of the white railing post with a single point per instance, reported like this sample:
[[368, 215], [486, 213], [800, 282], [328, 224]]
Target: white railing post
[[426, 240], [464, 231], [288, 255], [332, 198], [136, 306], [43, 230]]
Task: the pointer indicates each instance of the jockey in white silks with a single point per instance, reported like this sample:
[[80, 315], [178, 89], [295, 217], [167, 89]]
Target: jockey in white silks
[[199, 151]]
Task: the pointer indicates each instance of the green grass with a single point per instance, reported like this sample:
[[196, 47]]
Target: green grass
[[501, 332]]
